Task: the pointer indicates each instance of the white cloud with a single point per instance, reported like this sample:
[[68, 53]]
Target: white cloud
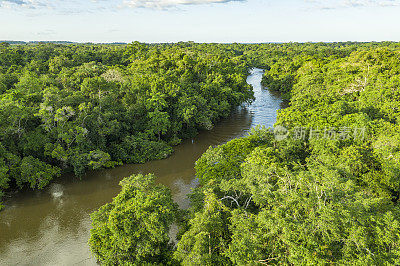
[[17, 2], [81, 5], [60, 6], [161, 4], [336, 4], [86, 5], [10, 3]]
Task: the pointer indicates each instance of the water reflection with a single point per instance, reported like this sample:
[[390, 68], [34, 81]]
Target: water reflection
[[51, 227]]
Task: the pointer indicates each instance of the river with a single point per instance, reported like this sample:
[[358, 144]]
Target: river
[[51, 226]]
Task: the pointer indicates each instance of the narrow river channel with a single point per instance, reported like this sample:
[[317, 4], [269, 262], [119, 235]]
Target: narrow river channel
[[51, 227]]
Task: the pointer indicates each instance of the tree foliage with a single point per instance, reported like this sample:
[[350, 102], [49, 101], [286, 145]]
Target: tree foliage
[[133, 229], [78, 107]]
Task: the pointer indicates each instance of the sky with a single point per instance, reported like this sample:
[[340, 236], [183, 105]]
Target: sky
[[226, 21]]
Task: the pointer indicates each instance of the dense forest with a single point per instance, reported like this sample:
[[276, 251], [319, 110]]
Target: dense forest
[[322, 188], [78, 107], [325, 193]]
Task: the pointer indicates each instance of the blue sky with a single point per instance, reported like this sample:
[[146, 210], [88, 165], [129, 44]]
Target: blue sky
[[200, 20]]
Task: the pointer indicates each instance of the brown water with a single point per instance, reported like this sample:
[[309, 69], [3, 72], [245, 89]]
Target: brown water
[[51, 227]]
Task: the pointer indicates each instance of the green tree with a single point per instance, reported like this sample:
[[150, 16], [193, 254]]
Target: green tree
[[159, 122], [207, 237], [36, 173], [133, 228]]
